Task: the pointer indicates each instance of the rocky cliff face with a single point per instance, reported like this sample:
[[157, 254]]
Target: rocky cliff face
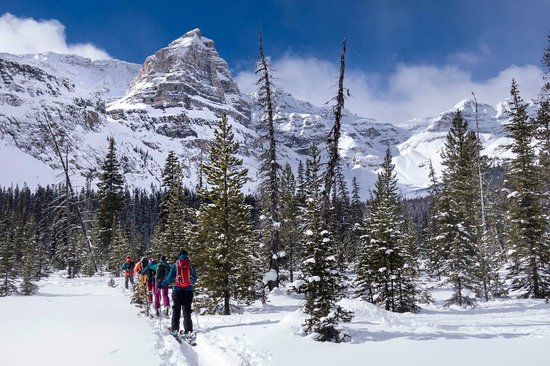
[[178, 96], [173, 102], [69, 92], [189, 73]]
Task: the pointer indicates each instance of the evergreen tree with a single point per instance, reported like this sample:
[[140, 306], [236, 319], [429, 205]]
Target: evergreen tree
[[223, 234], [8, 259], [340, 220], [110, 198], [174, 236], [355, 218], [120, 248], [529, 271], [28, 263], [431, 252], [171, 176], [542, 125], [457, 214], [321, 283], [386, 271], [169, 237], [300, 180], [290, 212]]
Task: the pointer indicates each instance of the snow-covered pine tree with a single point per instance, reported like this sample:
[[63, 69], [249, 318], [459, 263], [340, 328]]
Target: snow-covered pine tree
[[269, 169], [28, 264], [530, 255], [223, 235], [430, 248], [8, 258], [543, 134], [60, 228], [300, 180], [320, 282], [356, 218], [170, 175], [110, 198], [290, 212], [542, 125], [118, 249], [340, 220], [42, 217], [176, 225], [170, 235], [386, 272], [324, 283], [457, 214]]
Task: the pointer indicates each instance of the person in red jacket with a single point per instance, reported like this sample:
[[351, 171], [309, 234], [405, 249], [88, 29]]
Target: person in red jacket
[[128, 270]]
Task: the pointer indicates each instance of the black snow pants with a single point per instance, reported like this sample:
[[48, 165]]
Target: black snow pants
[[182, 299]]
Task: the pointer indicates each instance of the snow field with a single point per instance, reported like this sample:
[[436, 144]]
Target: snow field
[[83, 321]]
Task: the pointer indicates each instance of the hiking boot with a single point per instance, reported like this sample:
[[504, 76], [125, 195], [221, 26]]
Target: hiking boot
[[158, 312], [166, 310], [189, 335]]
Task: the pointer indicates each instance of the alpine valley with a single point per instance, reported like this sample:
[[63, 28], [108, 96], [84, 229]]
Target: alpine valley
[[173, 102]]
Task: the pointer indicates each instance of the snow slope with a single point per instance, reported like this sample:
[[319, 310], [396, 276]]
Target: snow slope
[[85, 322]]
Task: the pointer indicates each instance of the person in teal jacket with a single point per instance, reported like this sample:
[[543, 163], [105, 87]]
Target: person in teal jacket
[[158, 271], [182, 297]]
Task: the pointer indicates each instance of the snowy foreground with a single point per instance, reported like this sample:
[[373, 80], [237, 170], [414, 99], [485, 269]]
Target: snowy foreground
[[85, 322]]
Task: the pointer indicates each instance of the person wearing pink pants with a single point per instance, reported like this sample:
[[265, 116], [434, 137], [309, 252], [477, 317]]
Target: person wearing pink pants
[[161, 292]]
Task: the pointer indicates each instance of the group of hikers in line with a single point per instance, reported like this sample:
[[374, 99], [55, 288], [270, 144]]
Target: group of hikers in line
[[155, 276]]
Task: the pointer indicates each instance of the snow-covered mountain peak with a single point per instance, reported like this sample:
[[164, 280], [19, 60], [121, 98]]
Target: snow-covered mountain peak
[[193, 37], [189, 74]]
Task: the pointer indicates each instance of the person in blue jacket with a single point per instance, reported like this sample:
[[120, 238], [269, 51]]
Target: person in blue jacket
[[185, 277], [157, 272]]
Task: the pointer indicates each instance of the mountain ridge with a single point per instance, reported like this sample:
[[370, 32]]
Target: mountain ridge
[[173, 102]]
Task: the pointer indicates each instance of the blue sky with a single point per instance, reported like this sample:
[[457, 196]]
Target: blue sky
[[472, 42]]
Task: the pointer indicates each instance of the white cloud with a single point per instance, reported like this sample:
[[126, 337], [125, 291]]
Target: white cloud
[[411, 91], [26, 35]]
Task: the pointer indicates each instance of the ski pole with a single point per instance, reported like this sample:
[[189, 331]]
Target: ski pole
[[197, 318]]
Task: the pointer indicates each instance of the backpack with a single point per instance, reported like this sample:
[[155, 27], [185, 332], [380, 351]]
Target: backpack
[[151, 272], [130, 266], [184, 273], [144, 262], [162, 270]]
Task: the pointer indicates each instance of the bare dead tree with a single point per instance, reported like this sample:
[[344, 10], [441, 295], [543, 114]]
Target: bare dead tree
[[334, 137], [72, 193], [269, 165]]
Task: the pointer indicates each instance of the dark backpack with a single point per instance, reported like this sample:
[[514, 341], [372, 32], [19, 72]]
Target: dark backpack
[[144, 262], [162, 270], [184, 273], [130, 266], [151, 272]]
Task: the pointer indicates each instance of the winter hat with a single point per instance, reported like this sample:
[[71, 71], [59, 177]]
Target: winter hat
[[163, 258], [128, 258]]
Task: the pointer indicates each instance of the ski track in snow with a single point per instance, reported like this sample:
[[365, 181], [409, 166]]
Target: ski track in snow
[[212, 349], [243, 339]]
